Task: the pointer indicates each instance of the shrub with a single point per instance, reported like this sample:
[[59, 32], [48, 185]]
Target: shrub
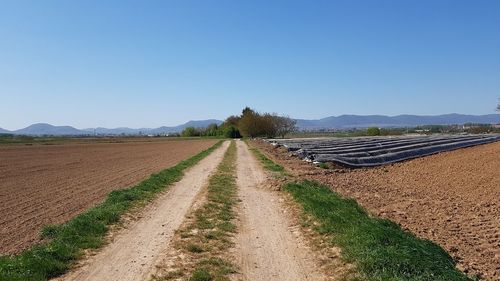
[[190, 132], [373, 131], [232, 132]]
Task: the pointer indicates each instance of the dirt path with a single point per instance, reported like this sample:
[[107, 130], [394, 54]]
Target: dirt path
[[267, 248], [50, 184], [450, 198], [133, 253]]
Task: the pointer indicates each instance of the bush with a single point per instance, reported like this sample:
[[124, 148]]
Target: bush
[[253, 124], [190, 132], [373, 131], [232, 132]]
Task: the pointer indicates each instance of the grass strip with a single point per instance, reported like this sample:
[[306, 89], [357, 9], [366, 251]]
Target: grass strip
[[206, 238], [266, 162], [378, 247], [87, 230]]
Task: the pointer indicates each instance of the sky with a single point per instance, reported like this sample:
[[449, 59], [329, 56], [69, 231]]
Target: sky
[[92, 63]]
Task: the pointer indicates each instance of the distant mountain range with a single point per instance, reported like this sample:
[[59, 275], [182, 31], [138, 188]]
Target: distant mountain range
[[364, 121], [154, 131], [47, 129], [333, 122]]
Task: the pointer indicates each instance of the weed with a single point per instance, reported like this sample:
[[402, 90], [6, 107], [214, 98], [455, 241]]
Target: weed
[[194, 248], [201, 274], [213, 225], [267, 163], [324, 166], [379, 248]]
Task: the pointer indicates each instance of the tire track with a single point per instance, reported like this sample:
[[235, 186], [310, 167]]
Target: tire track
[[134, 251], [266, 247]]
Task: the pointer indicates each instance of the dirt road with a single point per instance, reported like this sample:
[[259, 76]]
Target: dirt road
[[134, 252], [49, 184], [451, 198], [267, 248]]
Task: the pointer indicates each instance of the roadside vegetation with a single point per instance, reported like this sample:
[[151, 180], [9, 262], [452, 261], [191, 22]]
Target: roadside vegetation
[[205, 238], [267, 163], [226, 130], [378, 248], [249, 124], [87, 230]]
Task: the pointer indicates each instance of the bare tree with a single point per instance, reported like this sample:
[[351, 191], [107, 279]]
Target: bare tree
[[253, 124], [285, 125]]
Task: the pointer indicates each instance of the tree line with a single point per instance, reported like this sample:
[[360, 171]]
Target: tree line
[[249, 124]]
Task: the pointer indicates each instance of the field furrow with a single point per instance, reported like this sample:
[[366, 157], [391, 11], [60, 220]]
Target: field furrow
[[44, 184]]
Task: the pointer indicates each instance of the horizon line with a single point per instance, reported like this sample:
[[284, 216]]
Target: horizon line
[[198, 120]]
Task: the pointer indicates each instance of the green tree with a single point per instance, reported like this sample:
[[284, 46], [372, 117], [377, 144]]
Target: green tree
[[212, 130], [267, 124], [249, 123], [229, 128], [253, 124], [373, 131], [232, 120], [231, 131], [190, 132]]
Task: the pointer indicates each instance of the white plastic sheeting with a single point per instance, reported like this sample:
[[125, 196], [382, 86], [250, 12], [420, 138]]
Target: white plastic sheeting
[[375, 151]]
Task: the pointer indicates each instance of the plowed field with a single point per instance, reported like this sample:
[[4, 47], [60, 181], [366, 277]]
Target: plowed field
[[49, 184], [451, 198]]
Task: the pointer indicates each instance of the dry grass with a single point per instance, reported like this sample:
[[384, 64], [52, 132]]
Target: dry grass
[[202, 242]]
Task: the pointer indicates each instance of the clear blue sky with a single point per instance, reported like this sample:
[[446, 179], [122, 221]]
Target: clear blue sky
[[153, 63]]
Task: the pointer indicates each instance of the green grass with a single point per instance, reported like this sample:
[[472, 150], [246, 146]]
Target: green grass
[[194, 248], [87, 230], [267, 163], [201, 274], [324, 166], [214, 220], [379, 248], [205, 237]]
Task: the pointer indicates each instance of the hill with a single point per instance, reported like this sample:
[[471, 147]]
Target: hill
[[332, 122], [177, 129], [48, 129], [363, 121]]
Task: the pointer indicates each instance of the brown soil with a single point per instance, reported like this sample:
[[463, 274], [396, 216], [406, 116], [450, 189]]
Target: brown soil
[[451, 198], [49, 184], [134, 251], [268, 245]]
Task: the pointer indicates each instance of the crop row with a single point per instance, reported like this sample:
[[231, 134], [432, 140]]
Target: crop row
[[374, 151]]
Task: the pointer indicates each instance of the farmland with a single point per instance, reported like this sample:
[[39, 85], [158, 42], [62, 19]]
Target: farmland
[[450, 198], [49, 184], [374, 151], [220, 213]]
